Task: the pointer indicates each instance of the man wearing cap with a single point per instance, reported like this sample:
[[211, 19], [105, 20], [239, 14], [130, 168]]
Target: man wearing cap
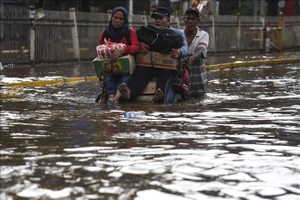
[[143, 75], [198, 43]]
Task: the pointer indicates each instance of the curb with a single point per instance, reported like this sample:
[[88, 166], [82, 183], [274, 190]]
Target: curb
[[252, 63], [59, 81], [66, 80]]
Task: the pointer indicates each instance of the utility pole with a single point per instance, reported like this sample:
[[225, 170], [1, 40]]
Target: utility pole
[[130, 17], [32, 34], [213, 6], [255, 8], [263, 20], [1, 25], [262, 7]]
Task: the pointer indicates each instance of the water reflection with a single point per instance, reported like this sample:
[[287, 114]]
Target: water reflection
[[240, 142]]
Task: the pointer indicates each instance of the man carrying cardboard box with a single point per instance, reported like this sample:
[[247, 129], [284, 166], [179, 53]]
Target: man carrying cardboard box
[[143, 75]]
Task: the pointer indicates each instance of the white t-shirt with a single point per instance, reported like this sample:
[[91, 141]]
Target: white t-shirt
[[199, 43]]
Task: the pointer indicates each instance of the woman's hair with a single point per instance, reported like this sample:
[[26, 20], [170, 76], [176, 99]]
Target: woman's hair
[[117, 34]]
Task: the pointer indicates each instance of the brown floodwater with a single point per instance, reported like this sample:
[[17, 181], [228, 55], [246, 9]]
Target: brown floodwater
[[240, 142]]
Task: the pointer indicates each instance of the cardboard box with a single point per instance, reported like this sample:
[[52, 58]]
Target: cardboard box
[[159, 60], [124, 66]]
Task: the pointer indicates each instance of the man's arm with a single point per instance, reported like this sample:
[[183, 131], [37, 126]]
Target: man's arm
[[203, 44], [182, 51], [185, 48], [201, 49]]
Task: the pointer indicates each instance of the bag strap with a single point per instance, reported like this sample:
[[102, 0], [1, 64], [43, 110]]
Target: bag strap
[[157, 35]]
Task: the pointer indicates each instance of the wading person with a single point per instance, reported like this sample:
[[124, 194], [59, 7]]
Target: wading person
[[119, 32], [198, 43], [143, 75]]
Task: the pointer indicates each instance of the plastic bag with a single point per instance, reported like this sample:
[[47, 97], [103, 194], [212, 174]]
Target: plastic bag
[[104, 51]]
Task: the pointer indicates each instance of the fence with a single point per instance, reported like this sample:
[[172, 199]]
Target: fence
[[54, 36]]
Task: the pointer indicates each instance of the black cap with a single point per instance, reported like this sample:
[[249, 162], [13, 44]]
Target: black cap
[[161, 11], [194, 10]]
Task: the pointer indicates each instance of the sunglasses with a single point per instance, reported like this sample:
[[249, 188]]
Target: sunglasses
[[118, 18]]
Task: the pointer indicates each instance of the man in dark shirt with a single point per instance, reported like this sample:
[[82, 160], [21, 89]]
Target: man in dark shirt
[[143, 75]]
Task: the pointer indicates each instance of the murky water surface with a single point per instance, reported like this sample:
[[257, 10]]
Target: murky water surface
[[241, 142]]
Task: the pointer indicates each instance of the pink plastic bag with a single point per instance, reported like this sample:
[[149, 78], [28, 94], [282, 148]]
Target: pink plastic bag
[[104, 51]]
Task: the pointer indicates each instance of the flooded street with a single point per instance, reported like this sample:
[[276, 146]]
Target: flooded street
[[241, 142]]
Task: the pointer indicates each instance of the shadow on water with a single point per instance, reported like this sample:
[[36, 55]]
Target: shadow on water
[[240, 142]]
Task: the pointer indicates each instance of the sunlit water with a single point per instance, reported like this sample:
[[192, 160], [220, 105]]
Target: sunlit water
[[240, 142]]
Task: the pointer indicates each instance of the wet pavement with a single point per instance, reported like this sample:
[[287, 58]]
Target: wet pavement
[[241, 142]]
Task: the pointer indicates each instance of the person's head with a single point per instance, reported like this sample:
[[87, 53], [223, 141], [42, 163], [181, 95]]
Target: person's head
[[191, 18], [119, 17], [118, 24], [161, 16]]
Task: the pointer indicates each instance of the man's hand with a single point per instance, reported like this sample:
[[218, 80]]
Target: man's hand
[[191, 59], [144, 47], [195, 57], [176, 53]]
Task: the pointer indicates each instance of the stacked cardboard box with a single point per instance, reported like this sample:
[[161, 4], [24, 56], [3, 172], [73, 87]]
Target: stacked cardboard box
[[156, 59]]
